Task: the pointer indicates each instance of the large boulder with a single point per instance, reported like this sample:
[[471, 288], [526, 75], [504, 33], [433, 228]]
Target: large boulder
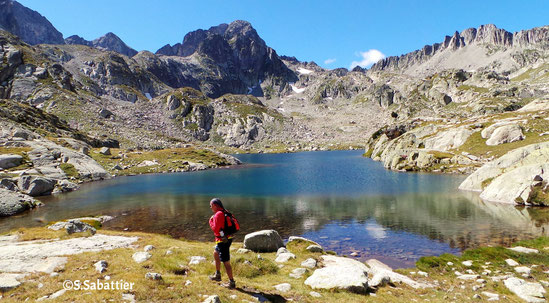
[[528, 291], [263, 241], [9, 161], [340, 273], [379, 274], [514, 175], [449, 139], [517, 185], [505, 134], [12, 203], [36, 185]]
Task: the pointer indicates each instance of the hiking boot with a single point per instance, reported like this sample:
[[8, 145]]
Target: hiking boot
[[232, 284], [215, 277]]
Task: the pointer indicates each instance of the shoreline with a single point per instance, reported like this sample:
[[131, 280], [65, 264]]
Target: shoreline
[[480, 273]]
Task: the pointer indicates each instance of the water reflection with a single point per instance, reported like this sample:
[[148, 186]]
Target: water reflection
[[346, 203]]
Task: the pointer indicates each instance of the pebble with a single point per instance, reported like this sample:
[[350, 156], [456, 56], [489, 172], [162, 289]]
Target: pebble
[[309, 263], [450, 264], [148, 248], [197, 260], [128, 297], [315, 294], [524, 250], [523, 270], [101, 266], [188, 282], [467, 263], [298, 273], [141, 256], [153, 276], [284, 287], [511, 262]]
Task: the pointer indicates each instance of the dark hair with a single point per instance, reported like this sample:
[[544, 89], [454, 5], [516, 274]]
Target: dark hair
[[217, 202]]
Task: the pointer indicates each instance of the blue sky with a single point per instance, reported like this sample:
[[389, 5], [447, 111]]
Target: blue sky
[[331, 33]]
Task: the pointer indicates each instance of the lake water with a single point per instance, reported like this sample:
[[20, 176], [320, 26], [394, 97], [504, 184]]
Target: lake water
[[340, 199]]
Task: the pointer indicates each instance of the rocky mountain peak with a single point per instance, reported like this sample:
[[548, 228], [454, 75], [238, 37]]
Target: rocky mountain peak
[[235, 50], [485, 36], [75, 39], [112, 42], [27, 24], [109, 41]]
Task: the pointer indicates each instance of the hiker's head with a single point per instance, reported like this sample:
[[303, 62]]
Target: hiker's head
[[216, 205]]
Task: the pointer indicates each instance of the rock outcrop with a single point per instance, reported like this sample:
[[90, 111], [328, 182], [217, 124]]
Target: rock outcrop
[[12, 203], [488, 42], [29, 25], [109, 42], [518, 177], [233, 50]]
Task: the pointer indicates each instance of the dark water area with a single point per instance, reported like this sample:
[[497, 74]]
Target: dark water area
[[340, 199]]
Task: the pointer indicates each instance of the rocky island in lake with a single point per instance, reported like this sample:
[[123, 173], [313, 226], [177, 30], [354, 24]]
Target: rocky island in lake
[[461, 128]]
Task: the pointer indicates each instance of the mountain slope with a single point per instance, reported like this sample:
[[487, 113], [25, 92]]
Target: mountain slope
[[485, 47], [29, 25], [109, 42], [230, 58]]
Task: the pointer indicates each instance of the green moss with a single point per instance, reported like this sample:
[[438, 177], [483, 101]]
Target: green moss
[[539, 195], [192, 126], [486, 182], [368, 153], [530, 73], [94, 223], [440, 155], [69, 170], [473, 88]]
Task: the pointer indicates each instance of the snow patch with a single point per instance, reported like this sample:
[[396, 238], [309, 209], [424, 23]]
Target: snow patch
[[297, 90], [148, 96], [304, 71]]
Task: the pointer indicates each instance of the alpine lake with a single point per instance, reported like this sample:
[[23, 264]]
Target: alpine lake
[[347, 203]]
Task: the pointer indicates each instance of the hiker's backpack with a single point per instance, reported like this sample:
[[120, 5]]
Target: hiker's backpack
[[231, 224]]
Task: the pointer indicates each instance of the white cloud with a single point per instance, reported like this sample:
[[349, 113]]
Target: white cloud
[[368, 58], [330, 61]]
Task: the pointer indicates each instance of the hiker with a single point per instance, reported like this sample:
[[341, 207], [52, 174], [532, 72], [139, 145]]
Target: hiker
[[223, 240]]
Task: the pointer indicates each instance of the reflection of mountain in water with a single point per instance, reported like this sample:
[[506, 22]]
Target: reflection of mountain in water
[[459, 220]]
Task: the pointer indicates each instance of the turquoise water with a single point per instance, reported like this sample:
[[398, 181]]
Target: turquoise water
[[340, 199]]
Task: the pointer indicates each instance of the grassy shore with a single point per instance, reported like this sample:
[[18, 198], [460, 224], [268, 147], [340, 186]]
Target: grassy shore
[[257, 276]]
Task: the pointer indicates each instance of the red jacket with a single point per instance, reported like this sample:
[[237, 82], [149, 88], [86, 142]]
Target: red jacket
[[217, 222]]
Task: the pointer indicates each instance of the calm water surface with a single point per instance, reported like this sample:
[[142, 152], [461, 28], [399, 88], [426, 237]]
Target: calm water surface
[[345, 202]]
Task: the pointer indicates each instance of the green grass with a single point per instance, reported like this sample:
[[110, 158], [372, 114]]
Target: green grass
[[530, 73], [473, 88], [258, 274], [69, 170], [441, 155], [486, 182], [168, 159], [539, 196]]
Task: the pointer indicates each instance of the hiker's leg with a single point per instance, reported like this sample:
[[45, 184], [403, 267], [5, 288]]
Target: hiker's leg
[[228, 269], [217, 261]]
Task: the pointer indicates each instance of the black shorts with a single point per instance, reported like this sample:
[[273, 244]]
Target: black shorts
[[223, 250]]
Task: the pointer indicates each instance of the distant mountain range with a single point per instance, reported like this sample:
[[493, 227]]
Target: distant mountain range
[[473, 48]]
